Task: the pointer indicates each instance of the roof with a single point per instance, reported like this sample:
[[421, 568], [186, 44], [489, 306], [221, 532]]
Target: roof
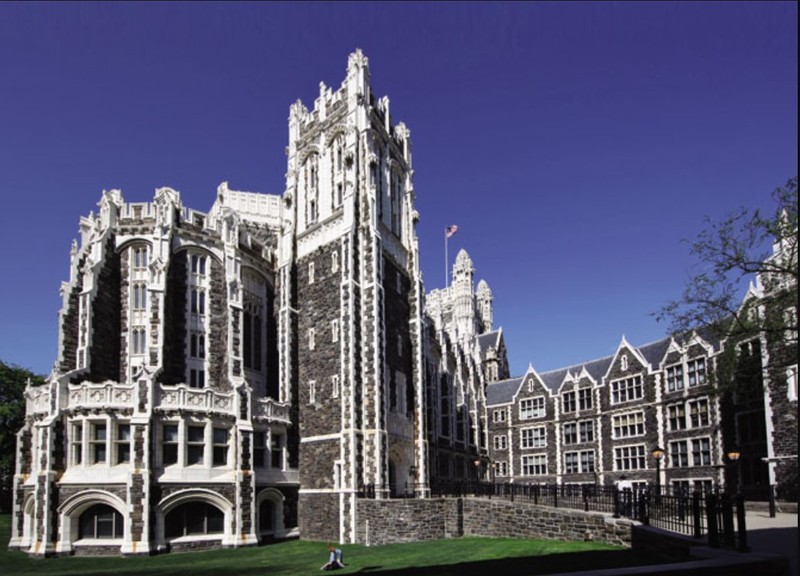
[[489, 339], [502, 392]]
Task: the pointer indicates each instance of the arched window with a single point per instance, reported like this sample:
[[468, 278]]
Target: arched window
[[194, 518], [100, 521]]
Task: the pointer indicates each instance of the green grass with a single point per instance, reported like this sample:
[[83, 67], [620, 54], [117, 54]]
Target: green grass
[[463, 557]]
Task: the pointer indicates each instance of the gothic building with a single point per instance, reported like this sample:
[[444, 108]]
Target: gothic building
[[657, 413], [245, 374], [258, 371]]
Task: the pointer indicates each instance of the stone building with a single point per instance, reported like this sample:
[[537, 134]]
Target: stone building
[[245, 374], [273, 368], [600, 420]]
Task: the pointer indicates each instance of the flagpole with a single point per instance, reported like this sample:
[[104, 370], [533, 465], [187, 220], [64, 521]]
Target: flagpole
[[445, 258]]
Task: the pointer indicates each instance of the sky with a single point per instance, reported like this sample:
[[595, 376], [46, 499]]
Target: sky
[[578, 146]]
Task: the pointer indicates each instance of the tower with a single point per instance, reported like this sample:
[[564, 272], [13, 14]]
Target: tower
[[350, 309]]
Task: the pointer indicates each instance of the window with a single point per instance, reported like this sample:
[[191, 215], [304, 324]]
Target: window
[[197, 345], [571, 433], [76, 443], [337, 199], [698, 413], [623, 363], [534, 465], [571, 463], [198, 303], [701, 452], [276, 450], [312, 392], [194, 519], [676, 414], [575, 462], [334, 330], [500, 442], [310, 272], [220, 446], [586, 429], [140, 258], [502, 468], [587, 461], [679, 454], [675, 378], [335, 386], [259, 448], [334, 261], [630, 458], [197, 378], [568, 403], [533, 437], [198, 265], [531, 408], [170, 444], [585, 399], [138, 341], [626, 390], [195, 444], [100, 522], [311, 339], [499, 415], [139, 296], [697, 372], [628, 425], [123, 443], [98, 443]]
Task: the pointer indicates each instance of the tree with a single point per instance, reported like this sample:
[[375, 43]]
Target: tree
[[13, 380], [746, 246]]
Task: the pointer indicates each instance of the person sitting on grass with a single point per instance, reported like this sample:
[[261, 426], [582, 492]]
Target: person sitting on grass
[[335, 562]]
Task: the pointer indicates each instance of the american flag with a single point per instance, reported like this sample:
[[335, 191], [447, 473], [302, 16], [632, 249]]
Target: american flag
[[450, 230]]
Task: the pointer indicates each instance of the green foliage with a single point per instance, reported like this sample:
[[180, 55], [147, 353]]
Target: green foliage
[[13, 380]]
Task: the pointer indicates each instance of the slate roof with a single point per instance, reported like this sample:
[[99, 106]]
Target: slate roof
[[489, 339], [654, 351], [502, 392]]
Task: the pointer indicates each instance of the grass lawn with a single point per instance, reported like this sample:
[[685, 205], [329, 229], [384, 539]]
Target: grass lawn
[[463, 557]]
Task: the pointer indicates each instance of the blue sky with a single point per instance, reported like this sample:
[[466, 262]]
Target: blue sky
[[576, 145]]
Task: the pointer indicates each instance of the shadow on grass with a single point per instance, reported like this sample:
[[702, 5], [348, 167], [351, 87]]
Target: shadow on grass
[[520, 566]]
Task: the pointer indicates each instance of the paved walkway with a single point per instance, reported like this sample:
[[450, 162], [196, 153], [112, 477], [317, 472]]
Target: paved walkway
[[773, 535]]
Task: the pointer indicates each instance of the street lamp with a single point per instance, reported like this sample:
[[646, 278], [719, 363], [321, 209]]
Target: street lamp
[[658, 454], [733, 457]]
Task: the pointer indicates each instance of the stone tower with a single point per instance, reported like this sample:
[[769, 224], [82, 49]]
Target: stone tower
[[350, 310]]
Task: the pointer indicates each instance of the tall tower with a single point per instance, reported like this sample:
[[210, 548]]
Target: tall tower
[[484, 298], [463, 296], [349, 270]]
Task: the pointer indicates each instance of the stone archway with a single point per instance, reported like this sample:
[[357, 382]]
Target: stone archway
[[70, 511], [269, 516]]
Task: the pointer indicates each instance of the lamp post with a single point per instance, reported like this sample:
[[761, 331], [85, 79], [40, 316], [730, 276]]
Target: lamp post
[[658, 454], [733, 458]]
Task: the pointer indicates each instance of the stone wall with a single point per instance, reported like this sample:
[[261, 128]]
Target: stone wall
[[396, 521], [500, 518], [318, 515], [106, 318]]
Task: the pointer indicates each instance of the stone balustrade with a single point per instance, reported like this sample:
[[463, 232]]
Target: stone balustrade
[[269, 409], [182, 397], [100, 395]]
